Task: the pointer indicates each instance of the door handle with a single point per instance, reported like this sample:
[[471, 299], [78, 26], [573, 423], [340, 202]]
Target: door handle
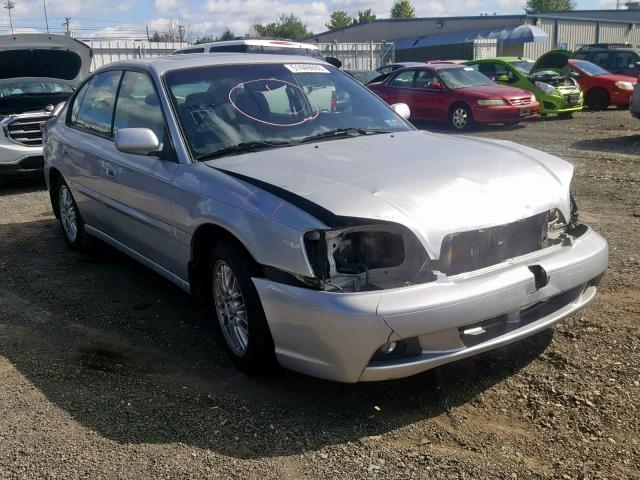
[[108, 170]]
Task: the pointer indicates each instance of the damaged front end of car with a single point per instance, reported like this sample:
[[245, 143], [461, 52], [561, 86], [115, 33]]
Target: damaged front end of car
[[384, 256]]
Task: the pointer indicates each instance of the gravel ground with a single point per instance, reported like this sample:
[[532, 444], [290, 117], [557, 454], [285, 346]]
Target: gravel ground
[[108, 371]]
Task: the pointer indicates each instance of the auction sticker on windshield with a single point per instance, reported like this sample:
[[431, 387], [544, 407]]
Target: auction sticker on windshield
[[306, 68]]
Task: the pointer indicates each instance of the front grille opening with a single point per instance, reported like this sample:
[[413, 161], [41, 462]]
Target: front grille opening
[[32, 163], [468, 251], [27, 131], [477, 333]]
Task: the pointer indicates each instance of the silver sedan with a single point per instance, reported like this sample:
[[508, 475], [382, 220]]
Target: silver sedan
[[321, 229]]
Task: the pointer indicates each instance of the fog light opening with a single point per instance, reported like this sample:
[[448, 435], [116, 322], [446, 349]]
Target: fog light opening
[[388, 348]]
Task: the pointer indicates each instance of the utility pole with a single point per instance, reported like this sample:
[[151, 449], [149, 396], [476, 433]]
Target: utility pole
[[46, 19], [180, 32], [9, 4], [66, 23], [147, 27]]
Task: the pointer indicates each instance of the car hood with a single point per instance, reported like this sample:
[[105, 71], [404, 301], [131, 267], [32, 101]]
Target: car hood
[[433, 184], [553, 60], [58, 57], [492, 91], [612, 77]]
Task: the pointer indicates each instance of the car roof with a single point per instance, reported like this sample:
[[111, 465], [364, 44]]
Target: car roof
[[434, 66], [502, 59], [161, 65], [274, 42]]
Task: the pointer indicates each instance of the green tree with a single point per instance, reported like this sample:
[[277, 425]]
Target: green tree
[[287, 26], [339, 19], [541, 6], [402, 9], [226, 34], [365, 16]]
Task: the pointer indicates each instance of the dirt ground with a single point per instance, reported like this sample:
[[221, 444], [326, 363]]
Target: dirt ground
[[108, 371]]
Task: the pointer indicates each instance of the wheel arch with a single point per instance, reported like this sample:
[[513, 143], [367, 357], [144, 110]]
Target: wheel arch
[[55, 179], [203, 239]]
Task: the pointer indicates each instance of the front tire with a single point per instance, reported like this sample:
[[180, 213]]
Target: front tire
[[70, 218], [597, 99], [460, 117], [234, 302]]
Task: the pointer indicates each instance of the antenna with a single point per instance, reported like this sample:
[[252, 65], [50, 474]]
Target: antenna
[[9, 4], [46, 19], [66, 23]]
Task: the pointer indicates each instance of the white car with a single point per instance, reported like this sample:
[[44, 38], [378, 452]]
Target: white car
[[255, 45], [38, 72]]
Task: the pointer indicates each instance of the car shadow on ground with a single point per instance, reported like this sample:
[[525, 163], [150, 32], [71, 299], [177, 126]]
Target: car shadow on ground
[[629, 145], [439, 127], [12, 186], [128, 356]]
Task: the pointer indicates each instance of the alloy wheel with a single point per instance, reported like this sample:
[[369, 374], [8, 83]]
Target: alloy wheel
[[230, 308], [460, 118], [68, 213]]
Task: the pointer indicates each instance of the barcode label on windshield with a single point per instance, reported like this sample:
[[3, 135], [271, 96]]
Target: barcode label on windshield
[[306, 68]]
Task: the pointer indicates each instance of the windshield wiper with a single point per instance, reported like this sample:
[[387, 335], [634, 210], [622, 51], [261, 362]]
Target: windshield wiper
[[343, 133], [244, 147]]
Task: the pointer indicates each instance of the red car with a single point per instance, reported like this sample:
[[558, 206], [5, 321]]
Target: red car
[[456, 94], [602, 88]]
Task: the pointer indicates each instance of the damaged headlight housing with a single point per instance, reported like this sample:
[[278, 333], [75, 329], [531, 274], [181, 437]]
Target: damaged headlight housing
[[368, 257], [546, 88]]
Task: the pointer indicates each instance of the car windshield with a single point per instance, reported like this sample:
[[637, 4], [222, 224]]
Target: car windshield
[[590, 68], [524, 66], [463, 77], [33, 88], [269, 105]]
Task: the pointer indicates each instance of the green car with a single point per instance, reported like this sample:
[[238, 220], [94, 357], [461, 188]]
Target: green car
[[547, 78]]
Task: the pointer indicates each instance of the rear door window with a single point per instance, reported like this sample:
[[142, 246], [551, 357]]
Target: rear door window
[[603, 59], [404, 79], [93, 107], [625, 60]]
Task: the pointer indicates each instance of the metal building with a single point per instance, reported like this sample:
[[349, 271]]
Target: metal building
[[511, 35]]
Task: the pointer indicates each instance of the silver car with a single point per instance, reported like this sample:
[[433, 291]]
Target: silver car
[[323, 231], [634, 103]]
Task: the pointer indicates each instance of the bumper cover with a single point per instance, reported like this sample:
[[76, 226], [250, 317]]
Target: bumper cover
[[505, 114], [334, 335]]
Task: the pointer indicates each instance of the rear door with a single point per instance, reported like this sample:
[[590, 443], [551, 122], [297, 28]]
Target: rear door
[[86, 139], [626, 63]]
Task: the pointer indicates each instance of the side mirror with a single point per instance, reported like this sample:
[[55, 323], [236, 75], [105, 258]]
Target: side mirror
[[137, 141], [435, 85], [333, 61], [502, 78], [402, 109]]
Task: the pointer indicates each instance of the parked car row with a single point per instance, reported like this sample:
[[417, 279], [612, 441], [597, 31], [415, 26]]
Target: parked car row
[[503, 90]]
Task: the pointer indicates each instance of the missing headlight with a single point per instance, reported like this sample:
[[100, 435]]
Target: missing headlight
[[371, 257]]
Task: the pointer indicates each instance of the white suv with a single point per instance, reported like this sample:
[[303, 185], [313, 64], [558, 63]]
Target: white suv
[[255, 45], [39, 71]]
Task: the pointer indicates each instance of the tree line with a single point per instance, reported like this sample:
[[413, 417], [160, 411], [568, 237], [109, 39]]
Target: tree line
[[291, 27]]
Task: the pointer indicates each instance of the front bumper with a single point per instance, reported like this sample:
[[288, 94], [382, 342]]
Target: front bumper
[[335, 335], [505, 113], [18, 160], [558, 104]]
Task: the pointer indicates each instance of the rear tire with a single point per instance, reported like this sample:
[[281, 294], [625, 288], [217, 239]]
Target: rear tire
[[460, 117], [597, 99], [70, 219], [235, 306]]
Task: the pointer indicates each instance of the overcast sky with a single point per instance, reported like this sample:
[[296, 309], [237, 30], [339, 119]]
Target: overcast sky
[[112, 17]]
